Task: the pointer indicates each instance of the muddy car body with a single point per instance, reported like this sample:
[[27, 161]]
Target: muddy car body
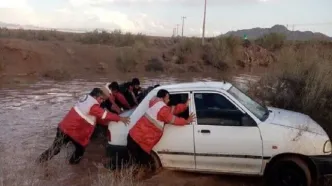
[[233, 134]]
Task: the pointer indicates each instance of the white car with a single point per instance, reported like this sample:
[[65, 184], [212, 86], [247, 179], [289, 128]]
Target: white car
[[233, 134]]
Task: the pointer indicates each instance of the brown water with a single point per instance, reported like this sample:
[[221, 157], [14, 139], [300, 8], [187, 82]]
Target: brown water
[[28, 119]]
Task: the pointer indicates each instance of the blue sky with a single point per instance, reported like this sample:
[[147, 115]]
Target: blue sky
[[159, 17]]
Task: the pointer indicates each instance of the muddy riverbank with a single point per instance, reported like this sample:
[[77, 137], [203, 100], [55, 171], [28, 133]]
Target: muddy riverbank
[[25, 61]]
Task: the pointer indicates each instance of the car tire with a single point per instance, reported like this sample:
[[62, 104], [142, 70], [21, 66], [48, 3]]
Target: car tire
[[289, 172]]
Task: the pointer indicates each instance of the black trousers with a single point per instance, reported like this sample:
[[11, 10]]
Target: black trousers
[[138, 155], [60, 140]]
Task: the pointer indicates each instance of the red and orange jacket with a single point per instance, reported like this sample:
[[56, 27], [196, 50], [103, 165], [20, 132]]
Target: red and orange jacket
[[80, 121], [149, 128]]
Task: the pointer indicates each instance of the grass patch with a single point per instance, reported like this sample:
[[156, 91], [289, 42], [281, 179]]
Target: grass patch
[[41, 35], [272, 41], [221, 52], [124, 177], [115, 38], [128, 58]]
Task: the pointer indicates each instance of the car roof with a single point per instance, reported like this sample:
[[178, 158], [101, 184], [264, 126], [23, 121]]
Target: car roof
[[197, 85]]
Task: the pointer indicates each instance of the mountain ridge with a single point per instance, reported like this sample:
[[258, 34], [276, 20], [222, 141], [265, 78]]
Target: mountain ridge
[[258, 32]]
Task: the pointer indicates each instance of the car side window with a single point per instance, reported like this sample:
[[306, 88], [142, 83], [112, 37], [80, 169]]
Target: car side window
[[215, 109]]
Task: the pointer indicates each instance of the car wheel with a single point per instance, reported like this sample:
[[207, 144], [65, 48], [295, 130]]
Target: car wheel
[[289, 172]]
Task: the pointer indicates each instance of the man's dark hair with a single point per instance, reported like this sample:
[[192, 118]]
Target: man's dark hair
[[162, 93], [96, 92], [114, 86], [135, 81]]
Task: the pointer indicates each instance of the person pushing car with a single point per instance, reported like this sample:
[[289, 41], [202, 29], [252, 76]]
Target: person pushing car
[[79, 124], [148, 130]]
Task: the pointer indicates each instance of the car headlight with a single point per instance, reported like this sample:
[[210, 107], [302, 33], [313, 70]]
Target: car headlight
[[327, 147]]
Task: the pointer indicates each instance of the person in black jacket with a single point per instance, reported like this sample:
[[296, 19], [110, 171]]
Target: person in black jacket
[[128, 92], [136, 86]]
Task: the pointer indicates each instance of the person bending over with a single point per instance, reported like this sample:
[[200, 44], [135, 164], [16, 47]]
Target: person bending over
[[79, 124], [149, 129]]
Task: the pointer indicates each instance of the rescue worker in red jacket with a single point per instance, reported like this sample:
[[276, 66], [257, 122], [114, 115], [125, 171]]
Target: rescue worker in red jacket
[[79, 124], [148, 130]]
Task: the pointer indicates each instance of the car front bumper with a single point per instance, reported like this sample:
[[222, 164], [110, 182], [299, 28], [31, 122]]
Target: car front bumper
[[323, 164]]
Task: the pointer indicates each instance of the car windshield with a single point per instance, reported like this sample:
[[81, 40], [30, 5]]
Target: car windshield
[[258, 110]]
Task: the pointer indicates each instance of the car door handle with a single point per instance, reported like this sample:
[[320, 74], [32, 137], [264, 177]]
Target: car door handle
[[204, 131]]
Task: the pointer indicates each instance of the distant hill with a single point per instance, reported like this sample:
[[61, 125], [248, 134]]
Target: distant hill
[[255, 33], [17, 26], [31, 27]]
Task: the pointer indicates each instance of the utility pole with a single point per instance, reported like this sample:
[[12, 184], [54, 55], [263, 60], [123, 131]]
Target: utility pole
[[177, 29], [293, 33], [183, 17], [204, 17]]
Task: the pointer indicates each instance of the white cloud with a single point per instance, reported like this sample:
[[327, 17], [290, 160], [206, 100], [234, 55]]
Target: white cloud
[[21, 4], [182, 2], [87, 14]]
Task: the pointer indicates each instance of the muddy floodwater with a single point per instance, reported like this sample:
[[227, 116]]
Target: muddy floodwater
[[28, 119]]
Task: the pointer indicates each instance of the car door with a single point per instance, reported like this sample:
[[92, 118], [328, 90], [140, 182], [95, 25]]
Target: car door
[[226, 139], [176, 147]]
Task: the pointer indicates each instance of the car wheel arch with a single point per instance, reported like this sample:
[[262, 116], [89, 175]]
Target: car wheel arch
[[311, 165]]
